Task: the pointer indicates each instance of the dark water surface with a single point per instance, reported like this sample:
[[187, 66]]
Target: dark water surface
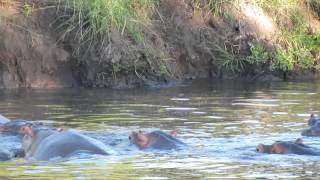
[[221, 122]]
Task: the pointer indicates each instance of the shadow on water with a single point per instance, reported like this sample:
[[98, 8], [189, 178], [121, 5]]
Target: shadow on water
[[221, 122]]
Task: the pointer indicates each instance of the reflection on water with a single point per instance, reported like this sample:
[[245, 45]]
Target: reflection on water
[[222, 123]]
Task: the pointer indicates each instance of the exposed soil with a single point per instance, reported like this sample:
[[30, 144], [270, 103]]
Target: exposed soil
[[183, 42]]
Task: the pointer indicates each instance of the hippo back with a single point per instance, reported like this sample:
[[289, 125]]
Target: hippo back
[[164, 141], [299, 149], [66, 143]]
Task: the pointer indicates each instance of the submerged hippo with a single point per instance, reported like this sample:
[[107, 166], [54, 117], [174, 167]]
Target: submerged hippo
[[156, 140], [47, 144], [314, 129], [8, 126], [4, 156], [14, 126], [313, 120], [14, 153], [287, 147]]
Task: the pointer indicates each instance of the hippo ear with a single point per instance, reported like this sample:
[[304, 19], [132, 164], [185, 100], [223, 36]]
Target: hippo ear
[[174, 133], [298, 141]]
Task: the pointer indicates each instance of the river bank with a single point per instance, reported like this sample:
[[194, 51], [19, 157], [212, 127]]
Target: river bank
[[49, 44]]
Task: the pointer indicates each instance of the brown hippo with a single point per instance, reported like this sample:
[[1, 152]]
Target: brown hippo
[[47, 144], [13, 127], [287, 147], [156, 140]]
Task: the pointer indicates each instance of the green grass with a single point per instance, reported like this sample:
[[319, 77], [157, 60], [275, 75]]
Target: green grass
[[95, 19], [258, 55], [216, 6]]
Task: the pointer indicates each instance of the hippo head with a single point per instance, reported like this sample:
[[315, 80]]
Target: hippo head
[[279, 147], [26, 130], [139, 139], [276, 148], [312, 131], [14, 126], [313, 121]]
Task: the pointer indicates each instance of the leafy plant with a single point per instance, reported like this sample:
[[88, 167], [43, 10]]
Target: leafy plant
[[27, 9], [258, 55]]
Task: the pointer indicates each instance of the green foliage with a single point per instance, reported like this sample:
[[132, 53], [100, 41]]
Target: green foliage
[[258, 55], [283, 60], [94, 19], [229, 60], [163, 68], [216, 6], [27, 9], [295, 44]]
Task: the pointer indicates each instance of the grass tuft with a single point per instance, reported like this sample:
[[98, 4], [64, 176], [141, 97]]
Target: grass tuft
[[95, 19]]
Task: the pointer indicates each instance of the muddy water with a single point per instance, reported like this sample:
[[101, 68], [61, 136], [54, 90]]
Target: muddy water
[[221, 122]]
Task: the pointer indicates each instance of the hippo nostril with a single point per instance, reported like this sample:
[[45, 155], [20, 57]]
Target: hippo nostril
[[129, 138], [257, 149]]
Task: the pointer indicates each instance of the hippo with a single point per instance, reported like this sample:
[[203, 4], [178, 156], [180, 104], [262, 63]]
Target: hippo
[[314, 129], [13, 127], [8, 126], [313, 120], [156, 140], [4, 156], [47, 144], [14, 153], [288, 147]]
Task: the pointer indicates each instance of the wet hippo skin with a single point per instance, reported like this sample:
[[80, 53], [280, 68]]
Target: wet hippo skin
[[313, 120], [314, 129], [13, 127], [4, 156], [287, 147], [156, 140], [14, 153], [47, 144]]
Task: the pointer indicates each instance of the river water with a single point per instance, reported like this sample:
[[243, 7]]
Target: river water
[[221, 122]]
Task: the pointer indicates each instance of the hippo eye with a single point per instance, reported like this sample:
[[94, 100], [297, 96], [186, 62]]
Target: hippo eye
[[257, 149], [129, 138]]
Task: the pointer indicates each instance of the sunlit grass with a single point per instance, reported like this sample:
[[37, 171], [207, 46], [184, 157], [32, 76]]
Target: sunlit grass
[[295, 46], [95, 19]]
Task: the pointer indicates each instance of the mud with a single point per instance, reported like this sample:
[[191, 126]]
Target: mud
[[183, 42]]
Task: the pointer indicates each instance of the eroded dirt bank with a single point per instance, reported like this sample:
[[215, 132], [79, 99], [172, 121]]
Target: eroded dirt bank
[[183, 41]]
